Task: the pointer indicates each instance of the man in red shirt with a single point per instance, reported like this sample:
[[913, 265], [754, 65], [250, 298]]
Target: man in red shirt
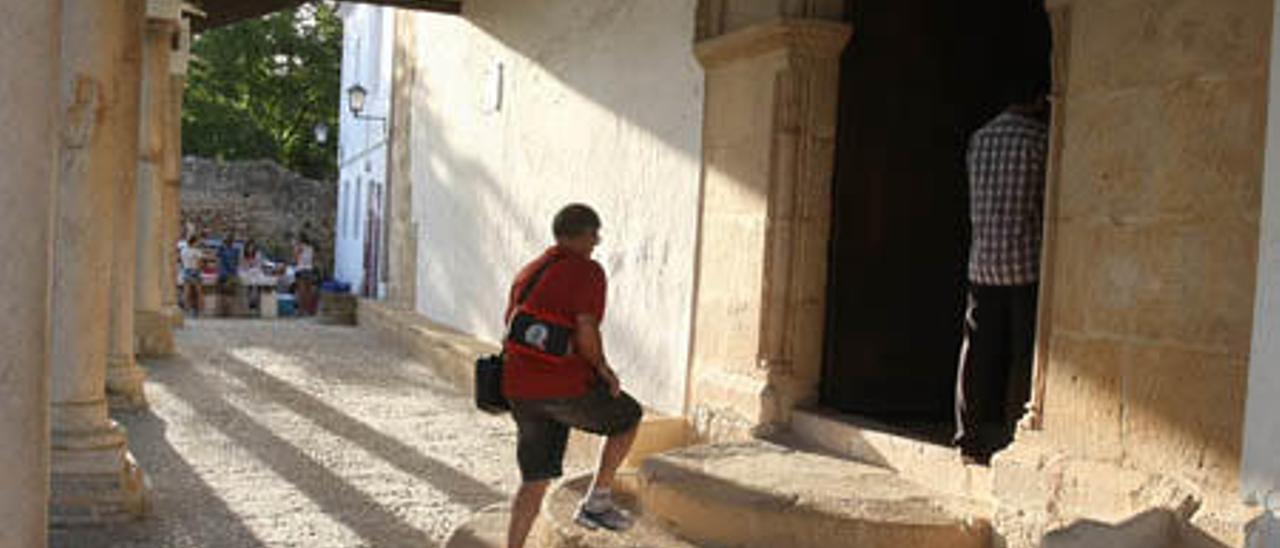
[[556, 375]]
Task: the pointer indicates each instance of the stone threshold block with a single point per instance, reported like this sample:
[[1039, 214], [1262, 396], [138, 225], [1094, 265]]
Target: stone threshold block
[[95, 479], [864, 440], [656, 434], [757, 494], [555, 527]]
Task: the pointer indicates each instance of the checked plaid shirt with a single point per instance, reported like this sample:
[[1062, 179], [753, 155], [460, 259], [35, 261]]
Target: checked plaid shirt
[[1006, 199]]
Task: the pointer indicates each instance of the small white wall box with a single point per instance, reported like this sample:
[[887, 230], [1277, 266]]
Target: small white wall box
[[494, 76]]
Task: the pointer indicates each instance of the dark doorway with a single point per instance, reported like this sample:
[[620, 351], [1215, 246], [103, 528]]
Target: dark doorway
[[918, 77]]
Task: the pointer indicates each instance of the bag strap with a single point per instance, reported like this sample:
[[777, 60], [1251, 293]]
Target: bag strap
[[533, 281]]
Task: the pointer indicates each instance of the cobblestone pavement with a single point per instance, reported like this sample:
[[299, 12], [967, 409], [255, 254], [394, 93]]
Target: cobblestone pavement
[[290, 433]]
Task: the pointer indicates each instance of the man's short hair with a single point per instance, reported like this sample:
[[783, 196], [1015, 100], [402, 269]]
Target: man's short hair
[[575, 220]]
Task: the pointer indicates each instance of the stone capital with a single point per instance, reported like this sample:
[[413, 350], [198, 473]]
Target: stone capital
[[815, 38]]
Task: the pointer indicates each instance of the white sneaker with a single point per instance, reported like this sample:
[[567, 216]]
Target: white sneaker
[[610, 518]]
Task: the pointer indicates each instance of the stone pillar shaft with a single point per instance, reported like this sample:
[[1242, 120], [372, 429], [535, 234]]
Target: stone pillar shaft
[[402, 241], [29, 44], [171, 198], [93, 476], [154, 334], [124, 377]]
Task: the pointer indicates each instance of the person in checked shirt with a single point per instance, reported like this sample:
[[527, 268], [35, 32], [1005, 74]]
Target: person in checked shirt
[[1006, 165]]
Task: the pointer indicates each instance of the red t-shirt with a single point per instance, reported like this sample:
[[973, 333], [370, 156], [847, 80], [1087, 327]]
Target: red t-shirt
[[571, 286]]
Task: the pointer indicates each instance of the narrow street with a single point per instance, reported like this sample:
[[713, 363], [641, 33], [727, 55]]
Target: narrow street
[[290, 433]]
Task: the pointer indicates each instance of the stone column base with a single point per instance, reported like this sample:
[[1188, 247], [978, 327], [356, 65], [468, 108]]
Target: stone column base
[[125, 384], [177, 318], [95, 479], [153, 334]]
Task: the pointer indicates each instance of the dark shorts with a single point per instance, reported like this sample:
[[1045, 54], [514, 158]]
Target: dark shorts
[[543, 427], [309, 275]]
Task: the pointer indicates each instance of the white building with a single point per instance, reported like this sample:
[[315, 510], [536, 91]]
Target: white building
[[362, 152]]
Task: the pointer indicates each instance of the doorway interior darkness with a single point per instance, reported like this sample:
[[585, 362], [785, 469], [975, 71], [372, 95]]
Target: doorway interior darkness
[[918, 77]]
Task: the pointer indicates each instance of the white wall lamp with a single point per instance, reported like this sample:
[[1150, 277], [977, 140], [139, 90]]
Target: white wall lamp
[[322, 132], [356, 96]]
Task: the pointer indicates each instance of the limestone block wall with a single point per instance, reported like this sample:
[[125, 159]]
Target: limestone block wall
[[519, 107], [261, 200], [1154, 233]]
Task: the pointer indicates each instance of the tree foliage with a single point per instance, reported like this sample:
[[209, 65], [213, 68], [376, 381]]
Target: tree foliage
[[257, 89]]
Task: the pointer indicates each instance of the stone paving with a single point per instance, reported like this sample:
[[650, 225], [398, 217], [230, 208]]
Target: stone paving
[[289, 433]]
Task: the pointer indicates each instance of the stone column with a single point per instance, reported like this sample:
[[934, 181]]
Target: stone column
[[124, 377], [172, 230], [769, 142], [172, 198], [171, 211], [402, 235], [94, 478], [170, 174], [29, 44], [154, 332]]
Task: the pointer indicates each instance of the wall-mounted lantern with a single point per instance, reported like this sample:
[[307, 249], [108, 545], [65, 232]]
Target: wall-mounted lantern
[[356, 97]]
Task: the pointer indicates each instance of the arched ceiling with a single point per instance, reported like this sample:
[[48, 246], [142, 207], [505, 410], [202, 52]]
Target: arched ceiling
[[226, 12]]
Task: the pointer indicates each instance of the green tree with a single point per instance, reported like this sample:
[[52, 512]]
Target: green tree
[[257, 89]]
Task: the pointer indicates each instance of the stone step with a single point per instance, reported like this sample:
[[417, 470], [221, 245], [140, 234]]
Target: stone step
[[486, 528], [919, 460], [758, 494], [657, 433], [555, 527]]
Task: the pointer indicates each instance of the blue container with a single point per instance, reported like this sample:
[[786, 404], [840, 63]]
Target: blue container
[[286, 305], [335, 286]]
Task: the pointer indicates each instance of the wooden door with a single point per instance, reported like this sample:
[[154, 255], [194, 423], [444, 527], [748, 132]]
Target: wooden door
[[918, 78]]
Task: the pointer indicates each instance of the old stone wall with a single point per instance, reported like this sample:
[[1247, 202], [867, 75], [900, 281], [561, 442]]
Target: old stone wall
[[259, 200], [1153, 234]]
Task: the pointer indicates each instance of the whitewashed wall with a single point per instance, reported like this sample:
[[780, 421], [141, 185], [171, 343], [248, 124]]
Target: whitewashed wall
[[1260, 474], [366, 59], [599, 101]]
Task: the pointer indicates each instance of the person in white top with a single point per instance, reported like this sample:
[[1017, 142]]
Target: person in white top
[[306, 256], [305, 274], [192, 256]]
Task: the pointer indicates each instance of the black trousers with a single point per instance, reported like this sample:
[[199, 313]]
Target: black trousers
[[993, 383]]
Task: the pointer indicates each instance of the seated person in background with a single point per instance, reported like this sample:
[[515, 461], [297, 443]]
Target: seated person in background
[[252, 272], [249, 256], [228, 258], [193, 291], [181, 281], [305, 274]]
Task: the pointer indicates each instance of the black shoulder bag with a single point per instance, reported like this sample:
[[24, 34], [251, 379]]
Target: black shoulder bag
[[488, 377]]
